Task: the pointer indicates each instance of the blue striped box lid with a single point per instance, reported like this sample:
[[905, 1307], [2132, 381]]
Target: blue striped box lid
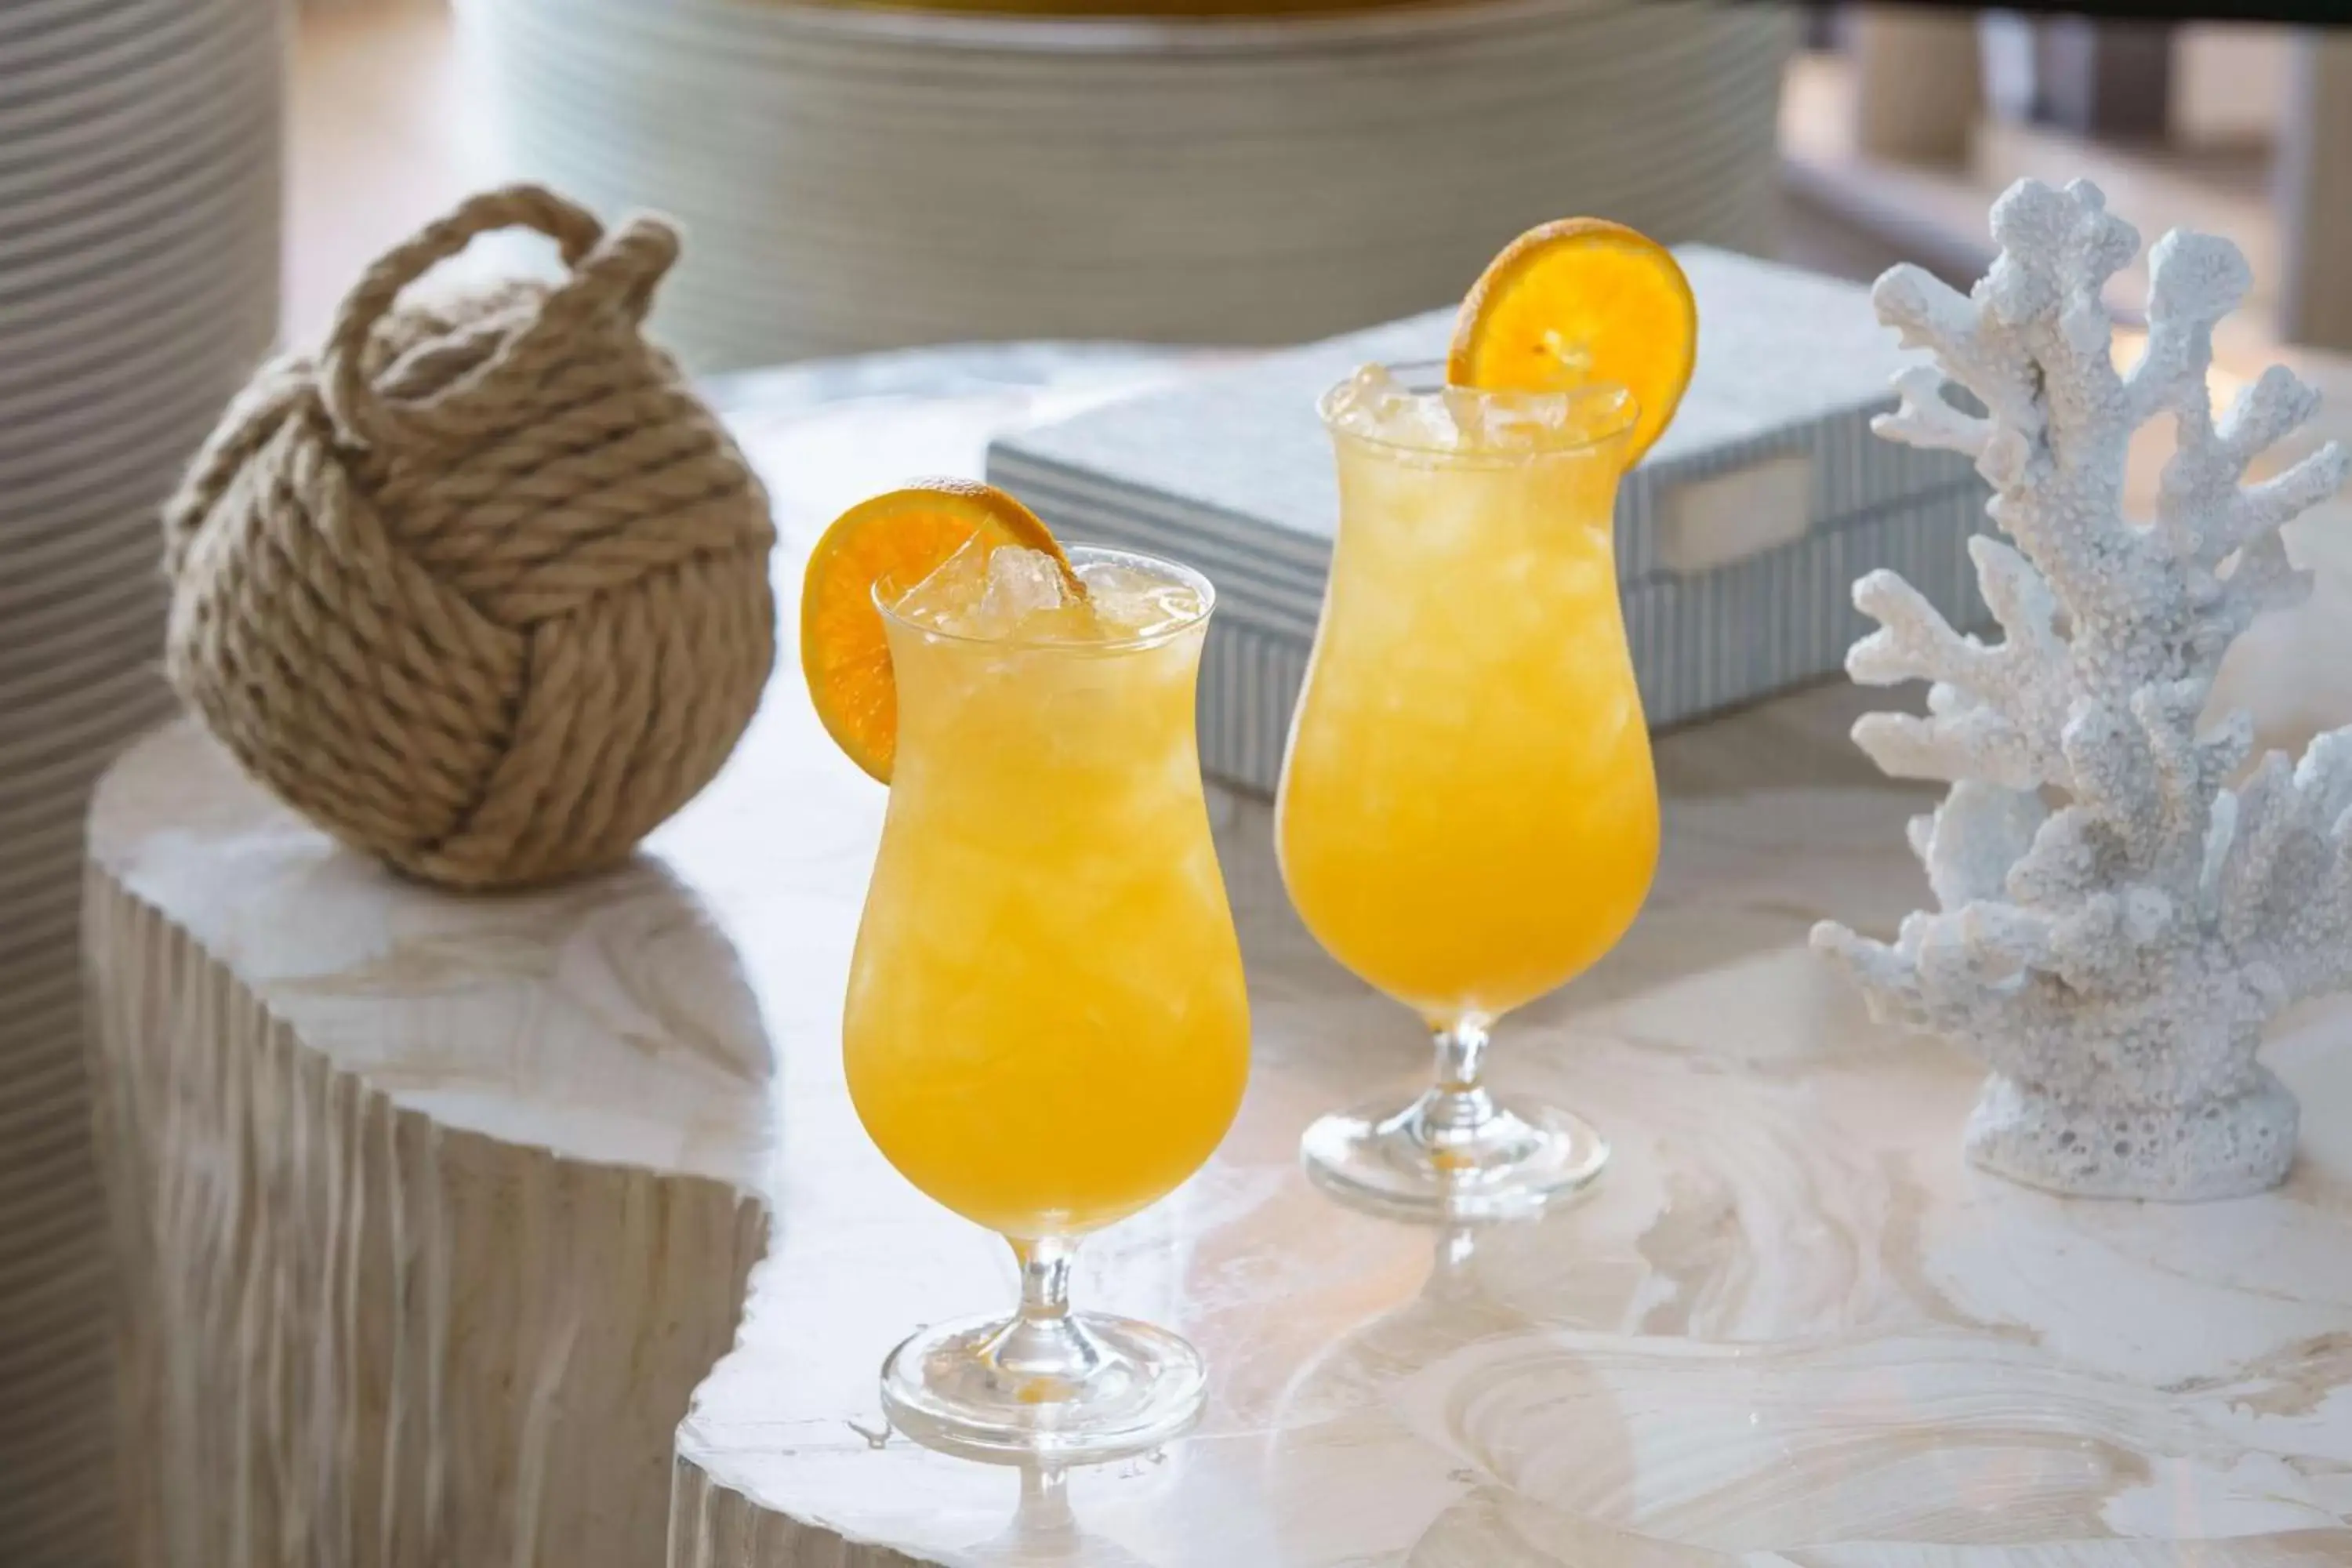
[[1700, 644], [1232, 471]]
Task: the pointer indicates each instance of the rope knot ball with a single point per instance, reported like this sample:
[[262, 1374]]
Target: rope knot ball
[[482, 588]]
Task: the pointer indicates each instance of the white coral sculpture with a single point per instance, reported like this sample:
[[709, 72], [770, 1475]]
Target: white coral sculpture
[[2118, 919]]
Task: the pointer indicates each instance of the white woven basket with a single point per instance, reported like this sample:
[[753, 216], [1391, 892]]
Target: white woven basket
[[859, 179], [138, 230]]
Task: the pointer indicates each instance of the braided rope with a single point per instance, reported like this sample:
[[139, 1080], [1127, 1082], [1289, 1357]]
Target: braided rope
[[481, 588]]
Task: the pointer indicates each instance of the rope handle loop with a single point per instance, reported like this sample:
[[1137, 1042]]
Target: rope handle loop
[[622, 268]]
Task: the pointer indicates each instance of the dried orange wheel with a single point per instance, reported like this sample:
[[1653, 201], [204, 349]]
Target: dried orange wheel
[[901, 537], [1577, 300]]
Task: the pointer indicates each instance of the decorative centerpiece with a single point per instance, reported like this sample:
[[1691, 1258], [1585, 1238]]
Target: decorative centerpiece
[[2120, 911], [482, 588]]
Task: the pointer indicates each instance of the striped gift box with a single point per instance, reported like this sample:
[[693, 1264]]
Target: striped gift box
[[1737, 537]]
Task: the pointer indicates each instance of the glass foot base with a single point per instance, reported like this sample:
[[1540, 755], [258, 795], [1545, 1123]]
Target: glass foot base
[[1418, 1163], [1103, 1388]]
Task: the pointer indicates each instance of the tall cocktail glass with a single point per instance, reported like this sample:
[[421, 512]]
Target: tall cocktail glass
[[1468, 816], [1046, 1029]]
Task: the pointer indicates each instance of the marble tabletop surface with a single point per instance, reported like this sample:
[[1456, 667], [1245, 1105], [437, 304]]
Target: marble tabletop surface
[[1789, 1327]]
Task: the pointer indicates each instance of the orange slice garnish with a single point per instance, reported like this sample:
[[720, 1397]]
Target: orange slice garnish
[[1579, 300], [901, 537]]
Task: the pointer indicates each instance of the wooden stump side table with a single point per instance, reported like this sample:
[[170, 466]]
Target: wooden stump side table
[[429, 1216], [435, 1210]]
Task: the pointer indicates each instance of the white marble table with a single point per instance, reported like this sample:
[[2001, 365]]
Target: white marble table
[[436, 1210]]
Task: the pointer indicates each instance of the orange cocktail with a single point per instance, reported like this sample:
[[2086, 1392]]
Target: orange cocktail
[[1468, 816], [1046, 1029]]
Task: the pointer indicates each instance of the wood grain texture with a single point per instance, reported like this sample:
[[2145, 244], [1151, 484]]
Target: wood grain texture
[[714, 1527], [355, 1333]]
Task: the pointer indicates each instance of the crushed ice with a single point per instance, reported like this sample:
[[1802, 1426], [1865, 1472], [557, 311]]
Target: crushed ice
[[1374, 404], [1002, 591], [1133, 603]]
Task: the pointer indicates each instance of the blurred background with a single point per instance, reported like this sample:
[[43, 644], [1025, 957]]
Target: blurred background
[[186, 185], [861, 178]]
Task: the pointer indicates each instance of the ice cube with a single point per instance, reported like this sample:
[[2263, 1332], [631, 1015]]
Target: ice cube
[[1022, 584], [1129, 602], [950, 590], [1511, 421], [1358, 403], [1002, 591], [1527, 419], [1467, 411], [987, 590], [1373, 404]]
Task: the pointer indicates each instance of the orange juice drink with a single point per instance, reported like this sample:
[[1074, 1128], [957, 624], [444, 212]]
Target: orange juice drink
[[1046, 1029], [1467, 815]]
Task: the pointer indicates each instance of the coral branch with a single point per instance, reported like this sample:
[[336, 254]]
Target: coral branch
[[1926, 311], [2254, 828], [2115, 921], [1928, 314], [2020, 600], [2260, 510], [1926, 420], [2262, 581], [1970, 841], [1914, 641], [2194, 280], [1946, 748], [2276, 403]]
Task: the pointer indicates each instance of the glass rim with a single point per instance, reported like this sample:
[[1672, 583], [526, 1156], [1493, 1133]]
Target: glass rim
[[887, 590], [1427, 378]]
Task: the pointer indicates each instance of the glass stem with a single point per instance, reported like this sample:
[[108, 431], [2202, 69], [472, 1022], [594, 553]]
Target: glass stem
[[1045, 1517], [1044, 1352], [1045, 1278], [1457, 1107]]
